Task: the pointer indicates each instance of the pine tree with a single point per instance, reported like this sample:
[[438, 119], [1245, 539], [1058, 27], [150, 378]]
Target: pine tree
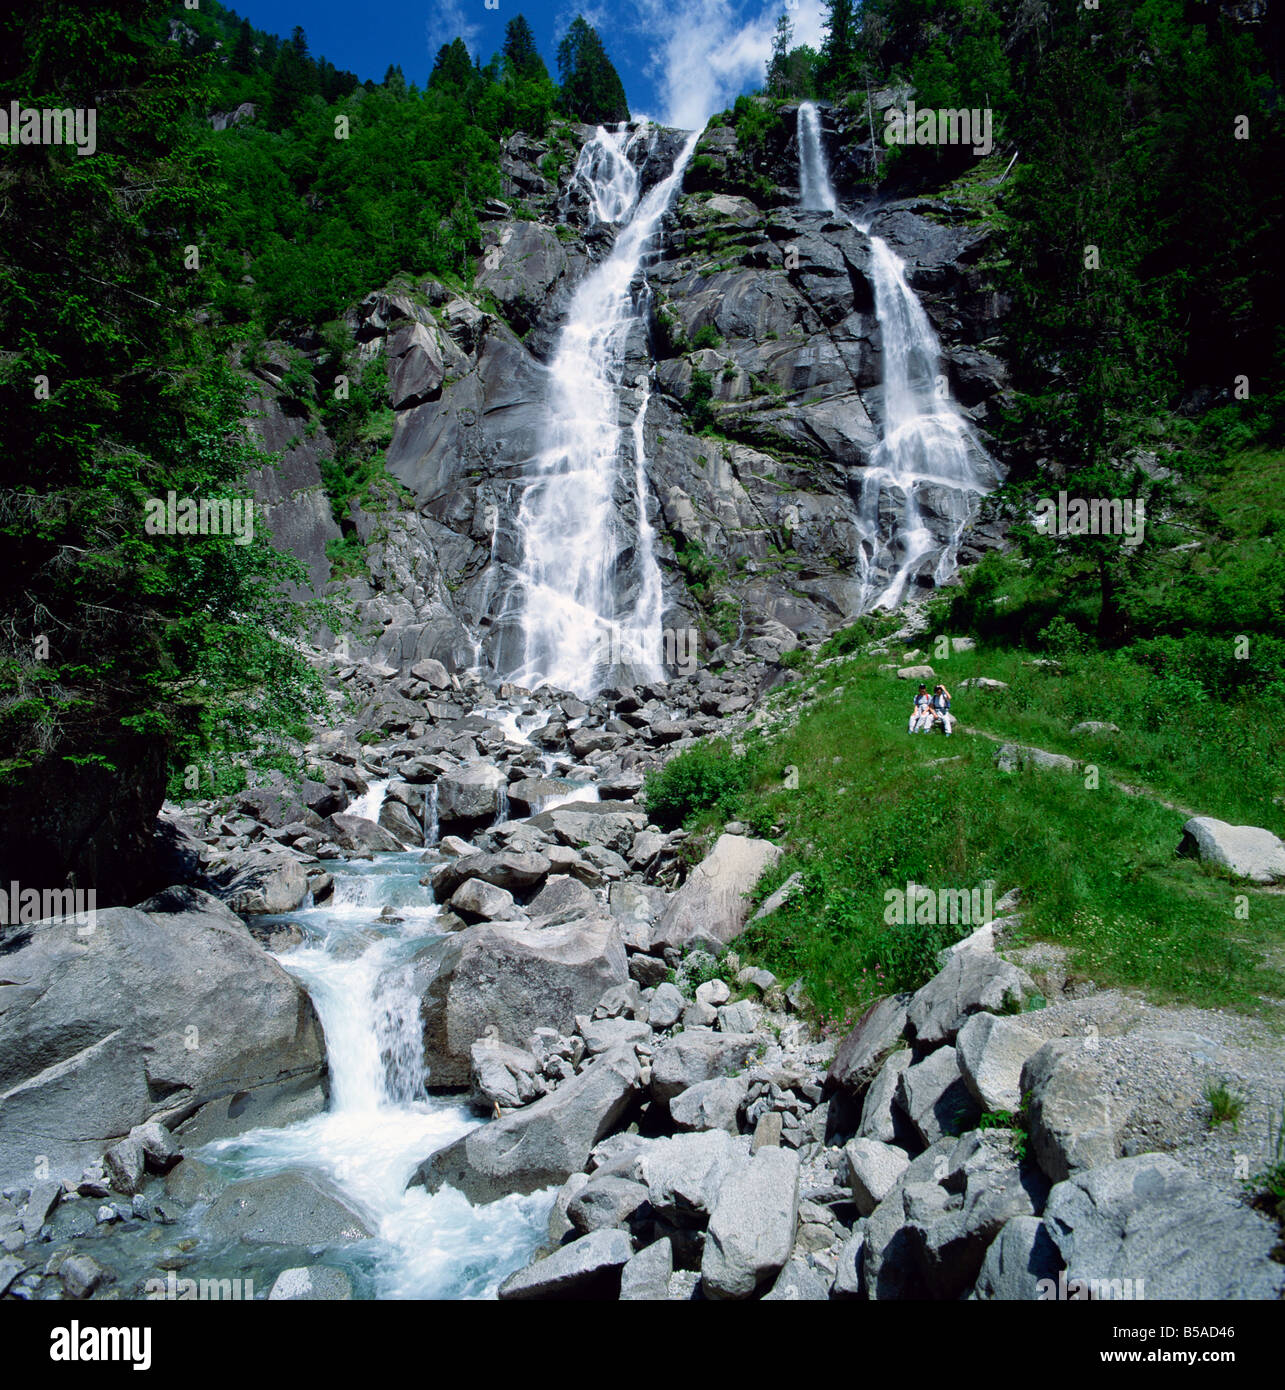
[[839, 52], [776, 66], [591, 87], [243, 51], [453, 68], [521, 57]]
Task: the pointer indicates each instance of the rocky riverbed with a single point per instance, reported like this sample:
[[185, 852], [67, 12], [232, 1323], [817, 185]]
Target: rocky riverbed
[[447, 1020]]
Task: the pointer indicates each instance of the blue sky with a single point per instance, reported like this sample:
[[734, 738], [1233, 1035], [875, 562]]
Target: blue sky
[[680, 60]]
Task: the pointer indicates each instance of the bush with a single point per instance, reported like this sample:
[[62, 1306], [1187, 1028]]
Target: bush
[[705, 778]]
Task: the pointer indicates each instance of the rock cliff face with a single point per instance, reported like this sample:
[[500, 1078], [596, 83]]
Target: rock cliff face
[[758, 340]]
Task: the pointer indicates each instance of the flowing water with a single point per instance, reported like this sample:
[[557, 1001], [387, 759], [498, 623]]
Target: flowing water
[[381, 1123], [590, 583], [927, 465]]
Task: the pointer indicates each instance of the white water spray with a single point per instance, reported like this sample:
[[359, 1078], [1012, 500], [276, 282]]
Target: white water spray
[[578, 622]]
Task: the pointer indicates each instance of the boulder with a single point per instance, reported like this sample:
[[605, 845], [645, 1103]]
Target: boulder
[[502, 1075], [470, 797], [646, 1277], [697, 1055], [602, 1034], [358, 833], [310, 1283], [478, 901], [284, 1209], [589, 1268], [709, 1105], [878, 1033], [667, 1006], [124, 1162], [873, 1171], [712, 906], [992, 1052], [562, 899], [916, 673], [1152, 1221], [514, 871], [880, 1119], [933, 1097], [606, 1202], [686, 1173], [542, 1144], [751, 1229], [181, 1017], [515, 979], [1070, 1117], [1247, 850], [258, 881], [1019, 1257], [970, 981], [798, 1282]]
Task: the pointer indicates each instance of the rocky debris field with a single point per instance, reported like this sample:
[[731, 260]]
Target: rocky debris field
[[703, 1142]]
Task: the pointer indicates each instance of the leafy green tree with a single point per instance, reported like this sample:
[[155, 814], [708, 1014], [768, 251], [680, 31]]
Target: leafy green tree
[[591, 88]]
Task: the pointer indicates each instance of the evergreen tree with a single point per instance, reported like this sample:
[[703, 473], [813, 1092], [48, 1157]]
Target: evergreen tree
[[521, 57], [452, 69], [591, 87], [776, 65], [839, 52], [243, 53]]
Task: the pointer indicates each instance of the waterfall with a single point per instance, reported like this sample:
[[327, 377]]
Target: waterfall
[[432, 830], [369, 804], [927, 456], [927, 459], [589, 581], [815, 192]]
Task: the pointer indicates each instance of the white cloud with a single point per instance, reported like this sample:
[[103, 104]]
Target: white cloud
[[707, 51], [450, 20]]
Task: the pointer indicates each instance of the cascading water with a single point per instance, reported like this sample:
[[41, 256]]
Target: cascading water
[[580, 622], [815, 192], [357, 964], [369, 804], [927, 459]]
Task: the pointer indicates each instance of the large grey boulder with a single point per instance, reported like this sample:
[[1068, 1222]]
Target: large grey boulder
[[751, 1229], [357, 833], [180, 1017], [645, 1279], [933, 1097], [311, 1283], [475, 900], [258, 881], [502, 1075], [696, 1055], [515, 871], [542, 1144], [1247, 850], [878, 1032], [971, 981], [1019, 1258], [284, 1209], [514, 979], [562, 899], [880, 1118], [470, 797], [873, 1171], [606, 1202], [712, 906], [992, 1052], [588, 1268], [709, 1105], [684, 1175], [1070, 1118], [1152, 1221]]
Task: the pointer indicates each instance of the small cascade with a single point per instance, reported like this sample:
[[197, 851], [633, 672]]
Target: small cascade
[[369, 804], [502, 812], [432, 830]]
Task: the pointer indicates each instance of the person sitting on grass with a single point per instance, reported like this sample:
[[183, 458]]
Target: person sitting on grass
[[941, 709], [921, 713]]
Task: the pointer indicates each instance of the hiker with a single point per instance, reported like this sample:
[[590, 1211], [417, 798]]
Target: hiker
[[921, 713], [941, 708]]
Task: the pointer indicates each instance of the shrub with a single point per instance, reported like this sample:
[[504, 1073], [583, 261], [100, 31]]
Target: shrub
[[707, 777]]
